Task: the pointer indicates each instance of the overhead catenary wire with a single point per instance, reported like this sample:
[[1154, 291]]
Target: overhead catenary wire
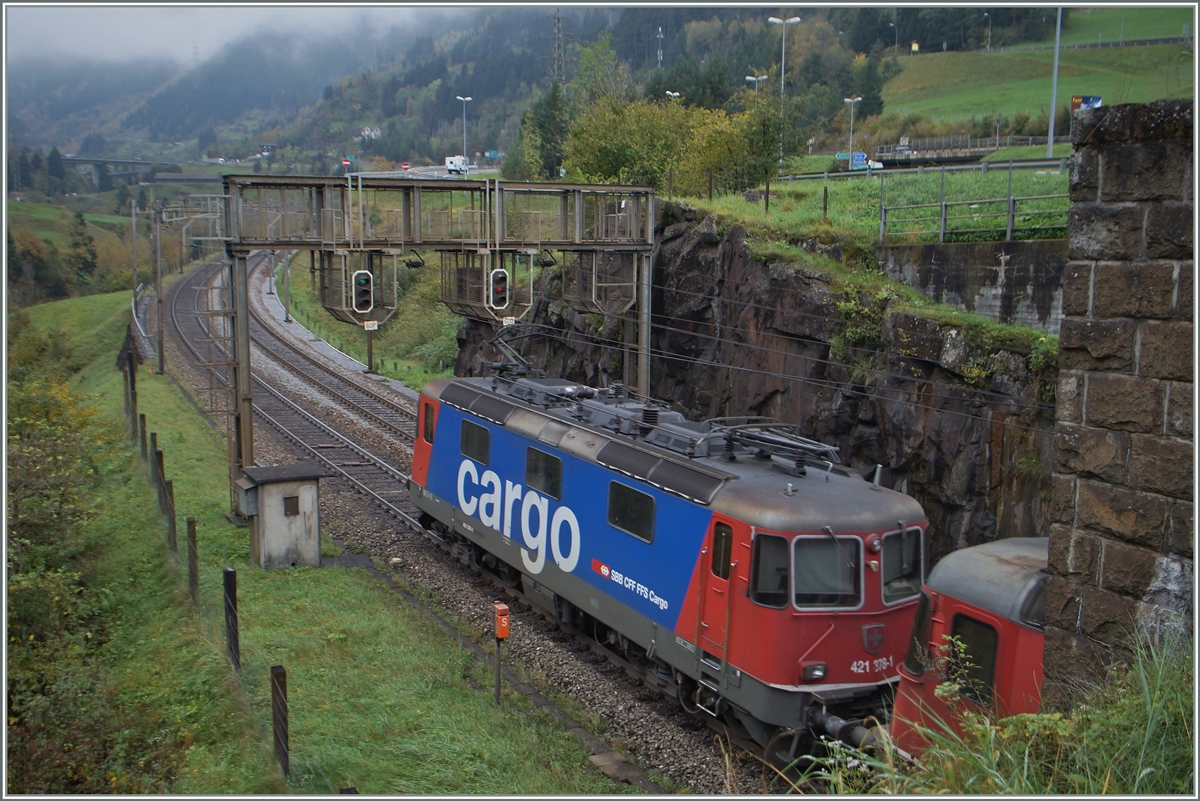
[[984, 395], [580, 337], [994, 396]]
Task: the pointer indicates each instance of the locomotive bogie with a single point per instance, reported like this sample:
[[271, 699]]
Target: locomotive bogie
[[763, 585]]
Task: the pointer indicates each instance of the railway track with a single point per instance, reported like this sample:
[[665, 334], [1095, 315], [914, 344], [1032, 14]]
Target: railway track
[[283, 400], [399, 419], [372, 475]]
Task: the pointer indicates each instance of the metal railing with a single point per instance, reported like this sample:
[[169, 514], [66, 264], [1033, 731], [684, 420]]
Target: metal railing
[[981, 167], [1183, 40], [943, 143], [983, 220]]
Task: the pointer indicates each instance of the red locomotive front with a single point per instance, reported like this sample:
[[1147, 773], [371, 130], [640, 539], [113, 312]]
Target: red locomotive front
[[979, 623]]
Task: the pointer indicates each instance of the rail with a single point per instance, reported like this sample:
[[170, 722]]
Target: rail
[[1006, 214]]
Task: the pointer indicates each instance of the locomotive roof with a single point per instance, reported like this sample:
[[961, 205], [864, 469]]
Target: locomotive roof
[[775, 480], [1006, 577]]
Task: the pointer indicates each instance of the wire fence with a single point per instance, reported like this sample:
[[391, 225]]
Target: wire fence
[[149, 451], [992, 219]]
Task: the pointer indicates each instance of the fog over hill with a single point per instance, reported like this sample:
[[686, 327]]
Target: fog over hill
[[168, 72]]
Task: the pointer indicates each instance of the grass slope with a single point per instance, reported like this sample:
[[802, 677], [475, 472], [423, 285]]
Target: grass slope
[[965, 85], [380, 698], [50, 223]]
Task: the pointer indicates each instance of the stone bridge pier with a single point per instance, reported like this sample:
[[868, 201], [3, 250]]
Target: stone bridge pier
[[1121, 540]]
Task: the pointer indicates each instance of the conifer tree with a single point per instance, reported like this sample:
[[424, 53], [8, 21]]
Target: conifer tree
[[54, 165], [82, 256]]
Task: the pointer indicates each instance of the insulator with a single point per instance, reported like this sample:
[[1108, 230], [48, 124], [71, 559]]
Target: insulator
[[650, 416]]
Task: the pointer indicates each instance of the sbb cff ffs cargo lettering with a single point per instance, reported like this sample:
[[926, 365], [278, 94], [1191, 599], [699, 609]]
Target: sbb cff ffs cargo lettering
[[733, 563]]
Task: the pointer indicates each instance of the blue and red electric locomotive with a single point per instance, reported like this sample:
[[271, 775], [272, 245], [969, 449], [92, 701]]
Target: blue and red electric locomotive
[[733, 562]]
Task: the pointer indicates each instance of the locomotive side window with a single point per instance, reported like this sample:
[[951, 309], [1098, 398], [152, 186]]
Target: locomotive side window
[[631, 511], [722, 546], [902, 574], [769, 574], [916, 657], [475, 442], [977, 663], [427, 431], [828, 571], [543, 473]]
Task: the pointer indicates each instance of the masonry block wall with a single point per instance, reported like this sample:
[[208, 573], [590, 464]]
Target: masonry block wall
[[1121, 541]]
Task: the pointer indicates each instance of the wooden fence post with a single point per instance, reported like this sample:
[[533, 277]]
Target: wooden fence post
[[193, 563], [232, 643], [279, 716], [169, 491]]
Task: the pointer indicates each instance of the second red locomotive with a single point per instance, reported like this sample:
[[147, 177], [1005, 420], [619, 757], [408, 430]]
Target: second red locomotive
[[733, 562]]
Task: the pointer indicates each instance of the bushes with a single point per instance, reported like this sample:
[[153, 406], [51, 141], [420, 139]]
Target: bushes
[[65, 731]]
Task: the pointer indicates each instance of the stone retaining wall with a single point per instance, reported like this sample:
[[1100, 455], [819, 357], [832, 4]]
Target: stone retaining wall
[[1011, 282], [1121, 539]]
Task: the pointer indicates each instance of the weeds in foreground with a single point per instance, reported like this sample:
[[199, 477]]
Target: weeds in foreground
[[1131, 733]]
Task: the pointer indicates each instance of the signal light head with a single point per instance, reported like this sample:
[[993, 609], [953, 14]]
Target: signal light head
[[498, 289], [364, 291]]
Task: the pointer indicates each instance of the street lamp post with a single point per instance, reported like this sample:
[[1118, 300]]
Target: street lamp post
[[1054, 85], [755, 81], [989, 19], [851, 101], [783, 54], [465, 100], [783, 23], [673, 95], [896, 48]]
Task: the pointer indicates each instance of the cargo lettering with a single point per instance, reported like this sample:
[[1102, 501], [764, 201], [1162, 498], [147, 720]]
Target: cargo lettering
[[497, 506]]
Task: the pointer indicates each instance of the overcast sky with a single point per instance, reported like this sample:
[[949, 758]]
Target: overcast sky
[[173, 31]]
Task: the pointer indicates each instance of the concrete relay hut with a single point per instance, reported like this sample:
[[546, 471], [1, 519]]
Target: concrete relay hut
[[282, 504]]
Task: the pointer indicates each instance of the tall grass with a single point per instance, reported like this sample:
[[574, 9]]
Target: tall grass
[[1131, 733]]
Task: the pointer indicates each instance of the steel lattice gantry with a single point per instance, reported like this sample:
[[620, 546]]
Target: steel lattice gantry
[[492, 238], [605, 233]]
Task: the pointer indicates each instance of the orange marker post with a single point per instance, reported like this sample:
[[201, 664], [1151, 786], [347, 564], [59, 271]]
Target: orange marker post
[[502, 626]]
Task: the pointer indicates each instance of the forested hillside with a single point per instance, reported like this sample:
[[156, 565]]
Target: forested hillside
[[318, 93]]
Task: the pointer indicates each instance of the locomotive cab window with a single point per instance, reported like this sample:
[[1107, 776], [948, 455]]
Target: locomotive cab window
[[427, 429], [769, 571], [721, 548], [902, 563], [828, 571], [631, 511], [976, 663], [476, 442], [543, 473]]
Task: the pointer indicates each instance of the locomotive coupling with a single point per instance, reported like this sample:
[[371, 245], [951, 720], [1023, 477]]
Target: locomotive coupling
[[851, 732]]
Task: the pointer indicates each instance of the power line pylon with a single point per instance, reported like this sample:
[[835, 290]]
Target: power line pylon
[[558, 51]]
